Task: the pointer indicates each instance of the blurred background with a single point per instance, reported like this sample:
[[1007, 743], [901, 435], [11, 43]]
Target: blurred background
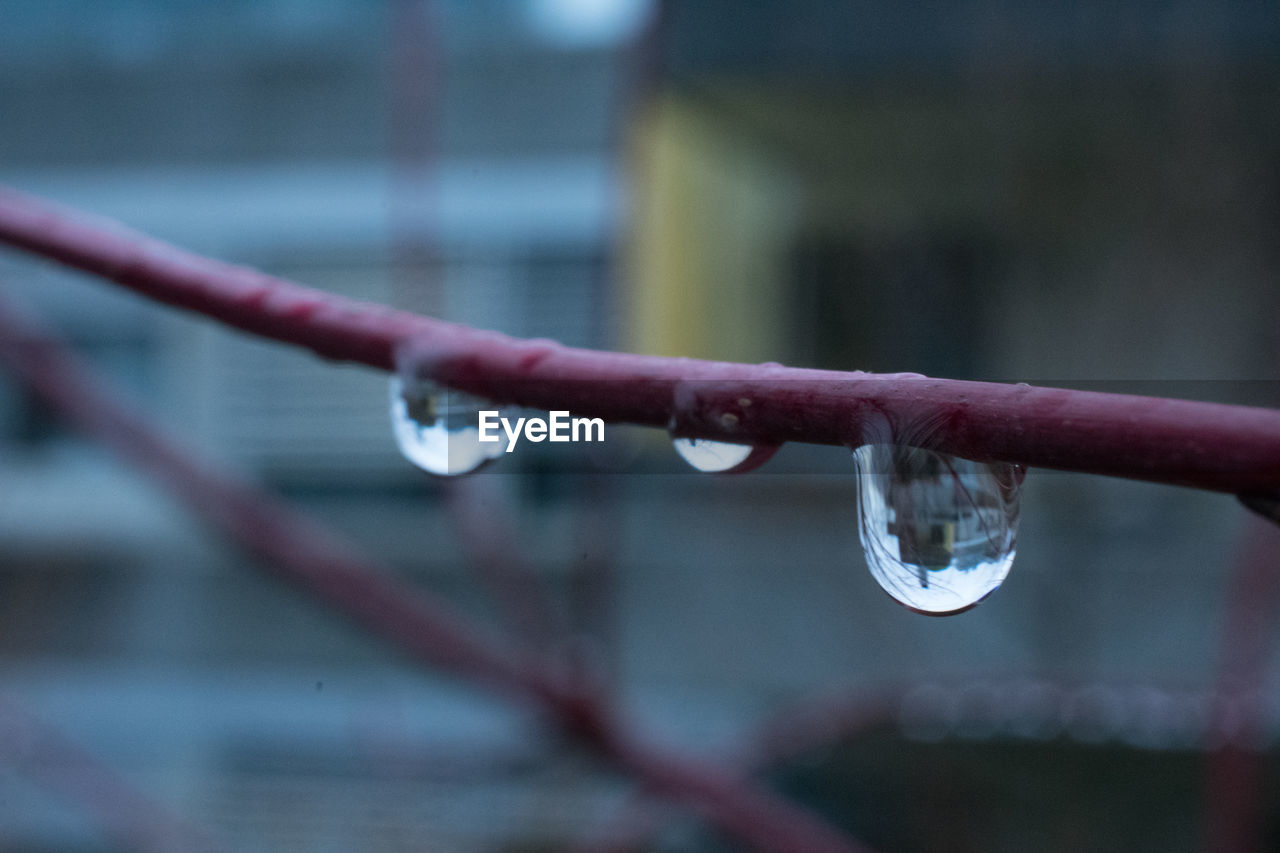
[[1062, 193]]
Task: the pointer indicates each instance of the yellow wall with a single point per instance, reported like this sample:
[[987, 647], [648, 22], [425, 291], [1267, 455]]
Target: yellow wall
[[711, 226]]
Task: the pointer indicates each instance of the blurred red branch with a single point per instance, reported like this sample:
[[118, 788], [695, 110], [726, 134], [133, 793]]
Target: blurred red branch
[[474, 506], [1223, 448], [300, 550]]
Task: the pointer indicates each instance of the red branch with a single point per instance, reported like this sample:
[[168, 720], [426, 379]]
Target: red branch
[[300, 550], [1231, 449]]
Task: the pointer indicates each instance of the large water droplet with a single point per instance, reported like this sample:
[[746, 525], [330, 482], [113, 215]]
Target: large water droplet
[[939, 531], [437, 428], [721, 457]]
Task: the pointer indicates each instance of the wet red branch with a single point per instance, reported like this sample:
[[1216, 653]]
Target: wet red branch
[[298, 549], [1232, 449]]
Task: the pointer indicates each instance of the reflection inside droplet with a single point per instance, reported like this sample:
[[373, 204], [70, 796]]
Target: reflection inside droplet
[[437, 428], [721, 457], [938, 531]]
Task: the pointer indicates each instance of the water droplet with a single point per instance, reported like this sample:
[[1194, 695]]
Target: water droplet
[[939, 531], [694, 405], [437, 428], [721, 457]]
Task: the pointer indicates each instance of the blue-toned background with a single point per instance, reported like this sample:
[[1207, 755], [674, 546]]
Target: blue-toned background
[[1065, 193]]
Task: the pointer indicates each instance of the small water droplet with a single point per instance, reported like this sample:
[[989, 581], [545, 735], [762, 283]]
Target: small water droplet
[[437, 428], [939, 531], [721, 457], [695, 404]]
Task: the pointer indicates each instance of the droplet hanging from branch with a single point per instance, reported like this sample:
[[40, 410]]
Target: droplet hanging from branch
[[939, 532]]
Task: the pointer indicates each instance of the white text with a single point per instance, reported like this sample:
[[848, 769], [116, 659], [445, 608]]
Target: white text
[[558, 427]]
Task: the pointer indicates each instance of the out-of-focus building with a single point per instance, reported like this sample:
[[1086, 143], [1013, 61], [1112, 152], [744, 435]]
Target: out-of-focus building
[[1063, 193]]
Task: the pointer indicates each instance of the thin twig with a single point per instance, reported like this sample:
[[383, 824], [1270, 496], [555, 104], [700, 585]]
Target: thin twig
[[1233, 449]]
